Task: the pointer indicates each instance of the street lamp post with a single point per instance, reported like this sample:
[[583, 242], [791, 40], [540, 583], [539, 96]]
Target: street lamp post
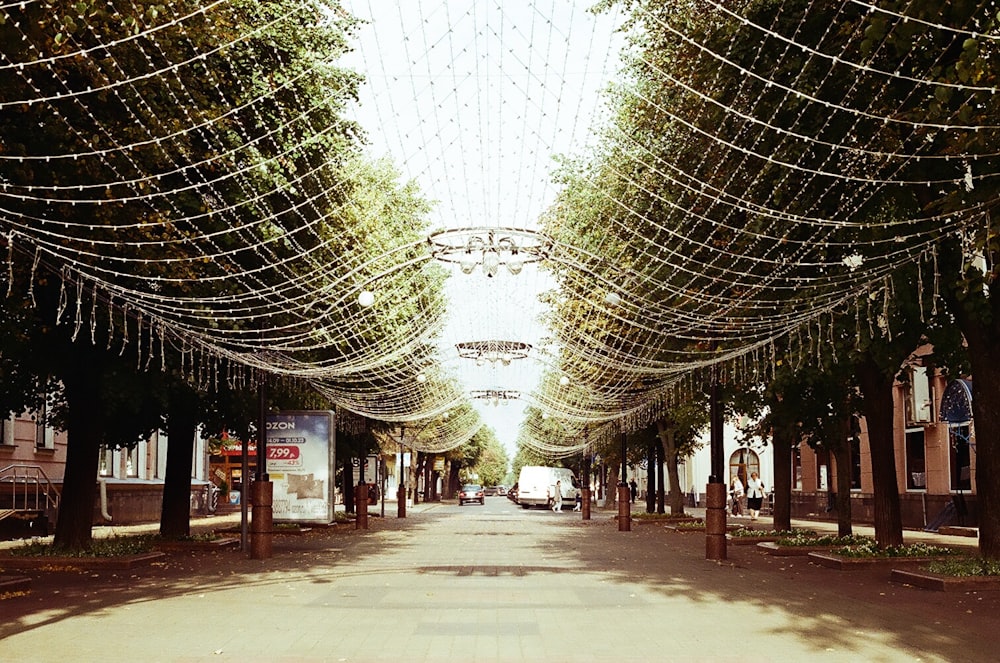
[[401, 490], [624, 497]]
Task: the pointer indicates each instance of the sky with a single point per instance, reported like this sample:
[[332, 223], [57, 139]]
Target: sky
[[473, 100]]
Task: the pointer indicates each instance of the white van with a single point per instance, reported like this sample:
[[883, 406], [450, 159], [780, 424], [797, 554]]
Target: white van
[[536, 486]]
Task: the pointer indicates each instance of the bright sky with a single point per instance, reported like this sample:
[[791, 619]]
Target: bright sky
[[473, 100]]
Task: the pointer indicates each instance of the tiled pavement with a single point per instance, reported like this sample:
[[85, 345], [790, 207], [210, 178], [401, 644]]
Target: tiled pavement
[[491, 583]]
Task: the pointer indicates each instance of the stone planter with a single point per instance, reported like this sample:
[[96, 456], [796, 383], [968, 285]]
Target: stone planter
[[943, 583], [51, 563], [214, 544], [834, 561], [772, 548]]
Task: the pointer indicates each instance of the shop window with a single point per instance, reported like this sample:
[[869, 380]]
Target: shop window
[[916, 468], [960, 460]]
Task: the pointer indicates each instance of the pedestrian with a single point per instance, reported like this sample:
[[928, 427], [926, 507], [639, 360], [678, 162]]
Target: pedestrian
[[579, 501], [755, 495], [736, 494], [633, 489], [557, 498]]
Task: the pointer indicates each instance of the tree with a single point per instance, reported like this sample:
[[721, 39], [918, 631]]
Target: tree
[[678, 432]]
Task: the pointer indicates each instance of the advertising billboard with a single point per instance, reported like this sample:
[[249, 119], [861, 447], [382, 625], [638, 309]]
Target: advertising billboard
[[301, 465]]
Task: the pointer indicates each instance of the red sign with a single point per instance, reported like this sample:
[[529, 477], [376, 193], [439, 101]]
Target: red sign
[[236, 448], [282, 452]]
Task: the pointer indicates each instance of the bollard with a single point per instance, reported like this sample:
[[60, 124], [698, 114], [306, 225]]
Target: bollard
[[715, 521], [361, 506], [624, 508], [585, 505], [262, 519], [401, 497]]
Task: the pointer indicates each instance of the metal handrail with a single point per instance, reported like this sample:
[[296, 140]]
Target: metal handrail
[[30, 476]]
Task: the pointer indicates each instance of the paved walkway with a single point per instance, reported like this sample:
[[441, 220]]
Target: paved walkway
[[492, 583]]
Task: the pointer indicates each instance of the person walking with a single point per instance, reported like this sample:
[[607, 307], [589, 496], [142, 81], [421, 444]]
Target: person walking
[[633, 489], [755, 495], [736, 493], [557, 498]]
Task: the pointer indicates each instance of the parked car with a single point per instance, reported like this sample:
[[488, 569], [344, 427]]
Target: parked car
[[501, 490], [512, 494], [471, 493], [490, 491]]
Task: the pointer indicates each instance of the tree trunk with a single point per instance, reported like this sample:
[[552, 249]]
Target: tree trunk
[[842, 462], [175, 512], [347, 480], [453, 484], [984, 356], [660, 480], [783, 439], [611, 496], [651, 478], [877, 405], [82, 384], [668, 442]]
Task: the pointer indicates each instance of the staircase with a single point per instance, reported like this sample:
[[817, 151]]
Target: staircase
[[27, 493]]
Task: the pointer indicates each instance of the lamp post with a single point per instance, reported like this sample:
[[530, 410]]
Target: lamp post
[[624, 496], [401, 491], [715, 491]]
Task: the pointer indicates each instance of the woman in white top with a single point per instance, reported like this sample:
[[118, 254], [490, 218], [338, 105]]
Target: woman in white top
[[755, 495]]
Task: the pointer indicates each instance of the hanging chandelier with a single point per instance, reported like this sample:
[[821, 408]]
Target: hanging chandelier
[[493, 351], [495, 396], [489, 248]]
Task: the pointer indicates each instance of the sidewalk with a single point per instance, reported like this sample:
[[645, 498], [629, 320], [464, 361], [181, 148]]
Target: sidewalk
[[489, 583]]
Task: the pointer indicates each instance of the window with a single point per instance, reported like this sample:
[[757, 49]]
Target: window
[[107, 462], [916, 477], [797, 468], [44, 434], [855, 444], [742, 463], [822, 469], [920, 399], [7, 432], [960, 457]]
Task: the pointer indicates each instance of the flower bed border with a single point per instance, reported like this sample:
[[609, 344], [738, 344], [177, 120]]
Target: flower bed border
[[772, 548], [11, 583], [832, 560], [51, 562], [223, 542], [943, 583]]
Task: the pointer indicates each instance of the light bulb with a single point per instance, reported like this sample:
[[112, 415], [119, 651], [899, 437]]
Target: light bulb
[[491, 263]]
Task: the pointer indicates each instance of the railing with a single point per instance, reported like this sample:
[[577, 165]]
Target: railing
[[27, 488]]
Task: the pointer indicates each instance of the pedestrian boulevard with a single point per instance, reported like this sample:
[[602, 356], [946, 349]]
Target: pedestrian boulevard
[[489, 583]]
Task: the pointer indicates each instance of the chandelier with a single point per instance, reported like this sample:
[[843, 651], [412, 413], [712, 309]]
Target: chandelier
[[490, 248], [493, 351], [495, 396]]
